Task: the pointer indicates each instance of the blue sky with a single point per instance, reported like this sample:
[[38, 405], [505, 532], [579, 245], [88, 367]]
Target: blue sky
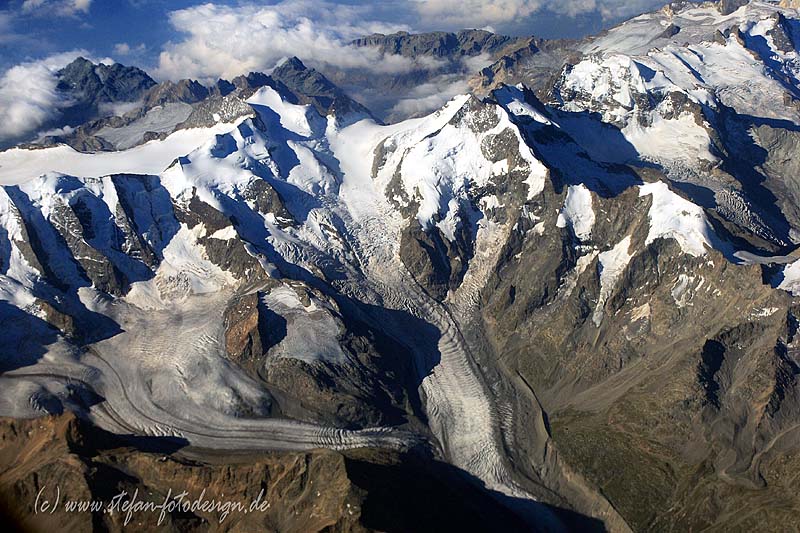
[[136, 31], [41, 32]]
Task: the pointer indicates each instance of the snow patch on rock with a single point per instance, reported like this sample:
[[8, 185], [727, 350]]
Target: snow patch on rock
[[313, 327], [577, 212], [611, 264], [673, 217], [790, 278]]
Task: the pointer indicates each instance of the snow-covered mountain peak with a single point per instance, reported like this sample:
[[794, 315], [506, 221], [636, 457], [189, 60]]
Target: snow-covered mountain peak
[[439, 168]]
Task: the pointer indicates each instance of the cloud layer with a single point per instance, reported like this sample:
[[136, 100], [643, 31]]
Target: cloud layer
[[482, 13], [476, 13], [28, 95], [225, 41], [59, 7], [222, 41]]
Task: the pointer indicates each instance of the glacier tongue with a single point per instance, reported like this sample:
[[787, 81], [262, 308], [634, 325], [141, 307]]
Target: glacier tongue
[[461, 414]]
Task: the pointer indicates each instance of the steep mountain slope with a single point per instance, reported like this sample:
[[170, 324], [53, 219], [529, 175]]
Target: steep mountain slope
[[692, 104], [286, 194], [636, 353], [582, 302]]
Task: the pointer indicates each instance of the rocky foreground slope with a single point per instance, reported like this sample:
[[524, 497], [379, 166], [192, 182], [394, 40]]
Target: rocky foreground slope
[[362, 490], [578, 293]]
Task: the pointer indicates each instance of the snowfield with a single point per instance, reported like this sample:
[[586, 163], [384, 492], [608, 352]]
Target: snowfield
[[673, 217], [20, 165], [577, 212]]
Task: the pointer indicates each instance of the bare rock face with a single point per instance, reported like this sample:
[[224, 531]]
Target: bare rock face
[[307, 85], [59, 320], [656, 372], [188, 91], [304, 492], [726, 7], [438, 44], [242, 338], [229, 251], [437, 264], [103, 83], [534, 61], [318, 364]]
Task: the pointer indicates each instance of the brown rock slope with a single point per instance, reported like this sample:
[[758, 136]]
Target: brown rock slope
[[675, 392], [362, 490]]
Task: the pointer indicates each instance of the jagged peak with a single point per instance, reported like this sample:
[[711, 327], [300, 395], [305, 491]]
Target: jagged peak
[[252, 80], [291, 63], [466, 42], [79, 61], [83, 66]]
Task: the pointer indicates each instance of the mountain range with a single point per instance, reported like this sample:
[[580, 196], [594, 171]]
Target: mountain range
[[564, 300]]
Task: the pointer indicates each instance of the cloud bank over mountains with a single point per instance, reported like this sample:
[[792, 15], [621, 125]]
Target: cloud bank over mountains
[[28, 95], [481, 13], [216, 41], [223, 40]]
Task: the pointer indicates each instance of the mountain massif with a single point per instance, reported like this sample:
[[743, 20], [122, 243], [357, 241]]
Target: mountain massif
[[563, 301]]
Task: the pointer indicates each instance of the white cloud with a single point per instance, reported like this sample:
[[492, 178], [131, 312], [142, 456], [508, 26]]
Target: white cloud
[[82, 5], [59, 7], [617, 10], [608, 9], [478, 62], [475, 13], [28, 95], [480, 13], [428, 97], [225, 41], [222, 41], [66, 130], [124, 49], [30, 5], [118, 109]]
